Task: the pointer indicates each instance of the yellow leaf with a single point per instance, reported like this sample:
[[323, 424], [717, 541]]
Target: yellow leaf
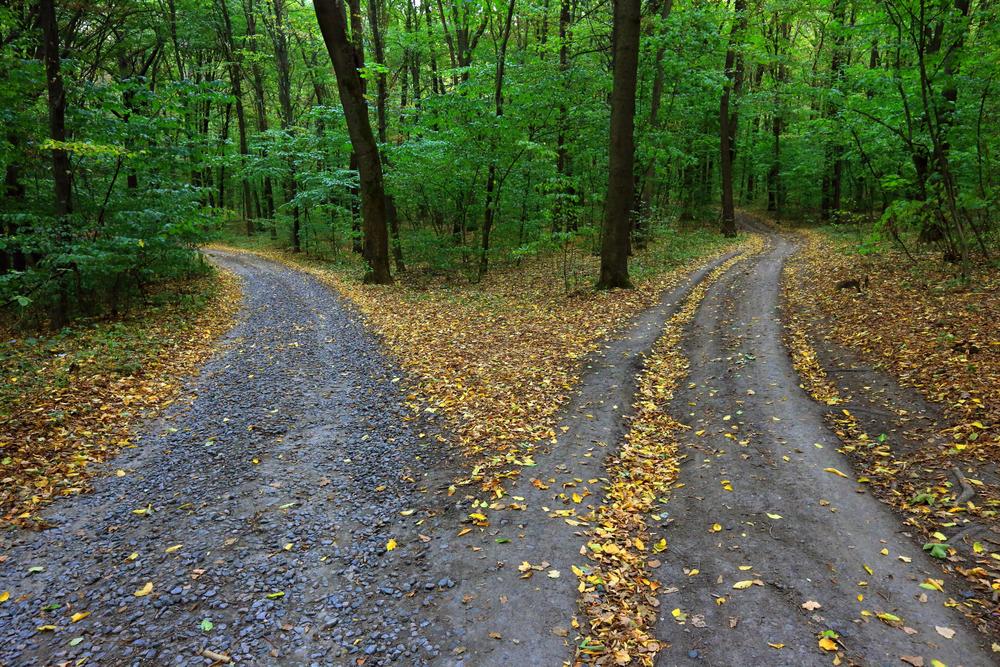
[[660, 546], [639, 544], [835, 472], [4, 596], [715, 528], [679, 615], [884, 552], [773, 516], [46, 628], [743, 585], [827, 644], [552, 574], [174, 548], [772, 645], [132, 556], [868, 570], [390, 545], [145, 590], [79, 616]]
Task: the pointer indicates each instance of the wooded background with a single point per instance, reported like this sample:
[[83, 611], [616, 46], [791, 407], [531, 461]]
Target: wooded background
[[135, 130]]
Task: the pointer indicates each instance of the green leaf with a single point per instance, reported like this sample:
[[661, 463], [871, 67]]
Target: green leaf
[[937, 549], [207, 625]]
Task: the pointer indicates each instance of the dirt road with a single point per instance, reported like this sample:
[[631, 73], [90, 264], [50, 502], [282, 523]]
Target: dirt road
[[768, 501]]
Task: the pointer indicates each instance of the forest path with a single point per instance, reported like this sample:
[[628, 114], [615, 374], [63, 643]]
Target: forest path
[[267, 497], [501, 615], [825, 531], [259, 508]]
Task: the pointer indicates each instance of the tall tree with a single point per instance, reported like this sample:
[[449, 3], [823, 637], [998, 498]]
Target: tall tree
[[333, 24], [621, 148], [61, 175], [728, 116], [492, 193]]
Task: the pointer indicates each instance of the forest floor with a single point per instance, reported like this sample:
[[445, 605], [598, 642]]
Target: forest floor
[[494, 476]]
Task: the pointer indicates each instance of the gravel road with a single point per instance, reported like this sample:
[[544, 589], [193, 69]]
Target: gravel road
[[259, 507]]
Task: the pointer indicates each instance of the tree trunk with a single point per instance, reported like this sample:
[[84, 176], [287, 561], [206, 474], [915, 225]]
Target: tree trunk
[[333, 24], [61, 175], [236, 81], [649, 178], [565, 191], [381, 102], [492, 196], [280, 39], [621, 147], [260, 111], [728, 118], [830, 200]]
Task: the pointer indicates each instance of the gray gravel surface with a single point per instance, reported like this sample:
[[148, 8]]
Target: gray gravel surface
[[283, 472]]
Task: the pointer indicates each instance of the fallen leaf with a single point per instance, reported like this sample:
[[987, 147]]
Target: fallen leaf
[[79, 616], [915, 660], [835, 472], [947, 633], [174, 548], [390, 545], [145, 590], [811, 605]]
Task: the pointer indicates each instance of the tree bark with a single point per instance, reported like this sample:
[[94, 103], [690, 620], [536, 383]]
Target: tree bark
[[260, 111], [381, 102], [236, 81], [492, 195], [280, 40], [728, 118], [333, 24], [61, 175], [621, 148]]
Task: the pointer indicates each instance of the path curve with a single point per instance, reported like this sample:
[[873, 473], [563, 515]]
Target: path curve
[[282, 475], [826, 531]]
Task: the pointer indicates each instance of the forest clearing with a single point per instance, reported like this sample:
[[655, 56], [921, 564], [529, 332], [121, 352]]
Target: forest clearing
[[468, 333]]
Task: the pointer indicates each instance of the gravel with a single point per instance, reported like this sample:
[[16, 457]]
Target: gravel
[[282, 475]]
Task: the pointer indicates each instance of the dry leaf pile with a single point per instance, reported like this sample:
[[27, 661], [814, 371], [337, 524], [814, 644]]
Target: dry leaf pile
[[617, 588], [943, 342], [70, 400]]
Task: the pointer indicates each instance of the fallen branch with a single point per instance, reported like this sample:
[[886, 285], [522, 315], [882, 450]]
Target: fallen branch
[[217, 657], [968, 493]]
